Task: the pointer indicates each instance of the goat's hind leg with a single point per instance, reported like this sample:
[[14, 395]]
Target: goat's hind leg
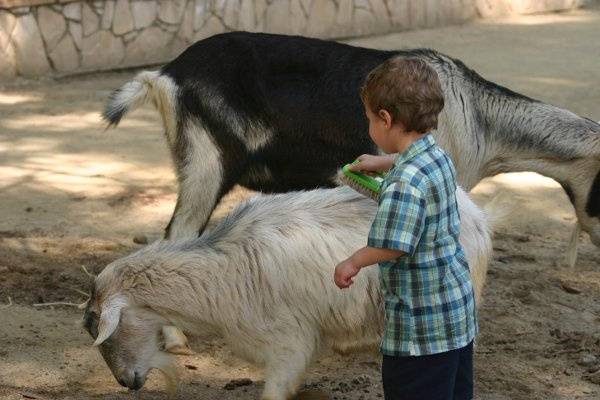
[[200, 173]]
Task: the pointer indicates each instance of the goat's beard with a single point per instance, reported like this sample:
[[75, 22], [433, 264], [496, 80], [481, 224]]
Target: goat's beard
[[167, 365]]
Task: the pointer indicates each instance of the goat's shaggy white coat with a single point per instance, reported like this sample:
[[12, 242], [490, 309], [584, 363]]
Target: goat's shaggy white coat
[[263, 279]]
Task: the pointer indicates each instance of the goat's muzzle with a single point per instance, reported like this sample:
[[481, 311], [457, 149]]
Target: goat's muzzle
[[132, 380]]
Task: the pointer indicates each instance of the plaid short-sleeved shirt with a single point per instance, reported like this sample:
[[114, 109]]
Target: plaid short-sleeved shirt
[[429, 299]]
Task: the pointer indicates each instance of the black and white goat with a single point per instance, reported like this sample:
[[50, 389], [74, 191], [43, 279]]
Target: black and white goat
[[277, 113]]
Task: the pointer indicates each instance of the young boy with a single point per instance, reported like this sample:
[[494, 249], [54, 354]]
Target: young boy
[[430, 318]]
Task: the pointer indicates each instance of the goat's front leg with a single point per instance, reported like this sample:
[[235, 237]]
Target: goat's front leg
[[286, 365], [200, 173]]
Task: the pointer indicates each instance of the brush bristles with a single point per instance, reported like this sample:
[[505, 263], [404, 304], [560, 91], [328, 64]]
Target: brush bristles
[[341, 179]]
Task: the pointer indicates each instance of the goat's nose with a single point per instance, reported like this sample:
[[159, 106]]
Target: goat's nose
[[131, 380], [138, 382]]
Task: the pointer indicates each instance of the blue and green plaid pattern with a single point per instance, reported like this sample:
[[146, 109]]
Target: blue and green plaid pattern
[[429, 299]]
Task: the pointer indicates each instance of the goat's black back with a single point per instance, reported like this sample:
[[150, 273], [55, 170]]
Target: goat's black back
[[305, 91]]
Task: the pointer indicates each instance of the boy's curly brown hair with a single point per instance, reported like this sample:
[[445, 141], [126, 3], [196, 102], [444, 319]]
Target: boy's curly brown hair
[[408, 89]]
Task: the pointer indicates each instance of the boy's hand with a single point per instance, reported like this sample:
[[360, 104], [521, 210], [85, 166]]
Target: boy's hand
[[370, 163], [344, 272]]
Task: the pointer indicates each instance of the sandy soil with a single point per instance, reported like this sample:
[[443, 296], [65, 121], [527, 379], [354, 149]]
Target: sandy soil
[[72, 194]]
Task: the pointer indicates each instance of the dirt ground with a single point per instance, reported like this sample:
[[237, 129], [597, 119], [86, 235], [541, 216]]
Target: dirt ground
[[73, 195]]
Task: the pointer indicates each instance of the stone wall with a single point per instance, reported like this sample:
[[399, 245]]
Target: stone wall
[[493, 8], [58, 37]]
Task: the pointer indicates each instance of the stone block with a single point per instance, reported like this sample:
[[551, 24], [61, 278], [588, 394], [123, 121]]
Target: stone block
[[144, 13], [186, 29], [30, 54], [444, 15], [212, 26], [72, 11], [65, 57], [8, 67], [247, 18], [345, 11], [307, 5], [76, 33], [465, 11], [260, 10], [381, 16], [99, 6], [18, 11], [171, 11], [219, 7], [468, 9], [231, 14], [108, 14], [321, 18], [277, 17], [7, 24], [400, 13], [457, 10], [260, 7], [364, 22], [89, 20], [431, 13], [492, 8], [52, 26], [4, 39], [539, 6], [201, 13], [417, 14], [123, 19], [150, 46], [168, 27], [176, 47], [102, 50], [297, 18], [128, 37]]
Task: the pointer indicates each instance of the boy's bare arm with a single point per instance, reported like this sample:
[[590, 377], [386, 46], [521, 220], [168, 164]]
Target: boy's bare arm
[[371, 163], [347, 269]]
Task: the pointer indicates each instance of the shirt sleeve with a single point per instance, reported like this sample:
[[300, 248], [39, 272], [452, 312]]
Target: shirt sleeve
[[400, 218]]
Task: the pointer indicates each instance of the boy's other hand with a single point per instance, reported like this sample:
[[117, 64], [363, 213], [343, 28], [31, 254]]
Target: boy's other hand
[[344, 272], [368, 163]]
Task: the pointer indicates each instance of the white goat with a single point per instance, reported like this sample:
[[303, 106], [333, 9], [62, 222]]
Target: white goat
[[263, 279]]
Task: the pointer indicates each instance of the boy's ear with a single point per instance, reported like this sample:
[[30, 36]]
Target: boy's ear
[[386, 117]]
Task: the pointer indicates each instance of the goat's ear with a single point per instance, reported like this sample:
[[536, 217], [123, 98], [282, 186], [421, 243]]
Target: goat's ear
[[109, 318]]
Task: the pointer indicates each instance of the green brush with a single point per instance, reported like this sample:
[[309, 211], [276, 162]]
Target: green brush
[[365, 184]]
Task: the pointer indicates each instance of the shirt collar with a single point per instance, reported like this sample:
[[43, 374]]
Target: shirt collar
[[415, 148]]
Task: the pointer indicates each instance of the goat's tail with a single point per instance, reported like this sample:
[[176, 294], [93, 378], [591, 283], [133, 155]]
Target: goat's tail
[[146, 86]]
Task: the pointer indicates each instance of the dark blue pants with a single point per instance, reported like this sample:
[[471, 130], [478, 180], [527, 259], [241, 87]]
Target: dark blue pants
[[443, 376]]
